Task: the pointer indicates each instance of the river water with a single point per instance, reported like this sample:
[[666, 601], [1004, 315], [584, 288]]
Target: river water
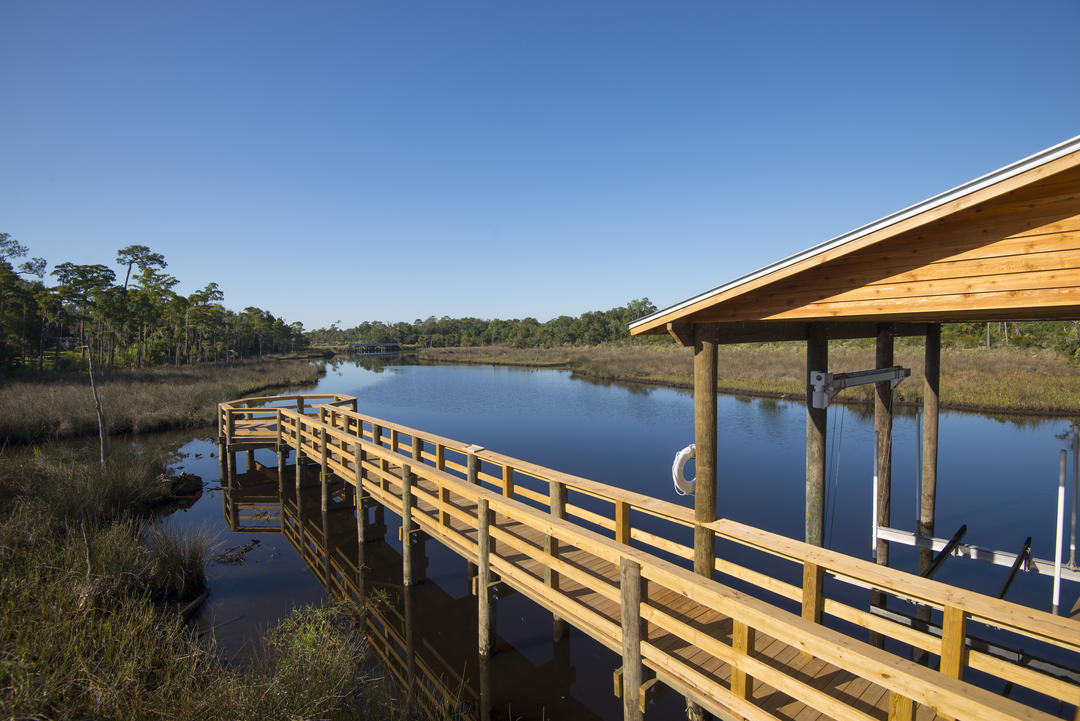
[[997, 475]]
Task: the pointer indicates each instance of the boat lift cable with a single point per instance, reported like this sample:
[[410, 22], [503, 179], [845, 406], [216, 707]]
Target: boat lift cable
[[836, 474]]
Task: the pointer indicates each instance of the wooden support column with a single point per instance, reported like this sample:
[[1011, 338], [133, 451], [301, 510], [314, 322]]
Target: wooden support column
[[250, 460], [705, 454], [282, 451], [633, 627], [883, 426], [817, 359], [705, 344], [472, 471], [928, 490], [928, 478], [557, 494], [485, 609], [406, 524], [361, 501]]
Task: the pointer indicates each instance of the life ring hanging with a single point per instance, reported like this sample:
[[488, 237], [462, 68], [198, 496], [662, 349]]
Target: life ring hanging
[[683, 486]]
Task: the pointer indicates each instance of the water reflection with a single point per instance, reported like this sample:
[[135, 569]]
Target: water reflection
[[424, 636]]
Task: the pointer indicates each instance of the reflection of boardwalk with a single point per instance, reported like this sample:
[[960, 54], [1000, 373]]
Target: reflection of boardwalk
[[405, 626], [593, 555]]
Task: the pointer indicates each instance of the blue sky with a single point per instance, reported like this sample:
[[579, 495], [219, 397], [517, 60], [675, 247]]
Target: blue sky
[[394, 160]]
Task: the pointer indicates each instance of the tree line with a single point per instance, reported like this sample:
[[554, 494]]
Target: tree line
[[592, 328], [138, 322]]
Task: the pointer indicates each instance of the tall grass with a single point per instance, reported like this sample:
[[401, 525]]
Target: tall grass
[[82, 637], [138, 401], [1005, 379]]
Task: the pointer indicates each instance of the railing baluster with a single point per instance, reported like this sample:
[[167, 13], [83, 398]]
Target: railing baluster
[[813, 597], [742, 640], [622, 521], [508, 481], [901, 708]]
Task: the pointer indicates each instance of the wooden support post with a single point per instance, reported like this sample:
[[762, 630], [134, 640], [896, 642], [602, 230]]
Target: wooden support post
[[817, 359], [324, 474], [282, 450], [485, 610], [928, 482], [742, 640], [631, 592], [622, 522], [406, 523], [417, 449], [883, 427], [557, 502], [705, 343], [472, 471], [250, 460]]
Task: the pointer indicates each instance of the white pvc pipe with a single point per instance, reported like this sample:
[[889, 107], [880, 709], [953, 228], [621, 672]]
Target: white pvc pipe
[[873, 517], [1060, 531]]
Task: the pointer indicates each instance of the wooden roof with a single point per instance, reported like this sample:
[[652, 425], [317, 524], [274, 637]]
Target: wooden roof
[[1002, 247]]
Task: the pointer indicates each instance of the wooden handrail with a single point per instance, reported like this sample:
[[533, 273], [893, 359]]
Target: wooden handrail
[[899, 676], [353, 442], [1046, 627]]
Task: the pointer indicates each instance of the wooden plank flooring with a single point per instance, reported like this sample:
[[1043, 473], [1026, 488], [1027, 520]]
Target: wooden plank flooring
[[871, 699], [588, 594]]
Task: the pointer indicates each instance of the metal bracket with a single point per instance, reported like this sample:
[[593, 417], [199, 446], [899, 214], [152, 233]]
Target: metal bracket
[[827, 385]]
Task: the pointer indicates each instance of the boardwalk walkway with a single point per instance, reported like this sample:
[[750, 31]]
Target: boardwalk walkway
[[603, 560]]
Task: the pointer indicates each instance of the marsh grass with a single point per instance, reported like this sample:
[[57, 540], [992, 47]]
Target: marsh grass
[[82, 632], [1009, 379], [137, 401]]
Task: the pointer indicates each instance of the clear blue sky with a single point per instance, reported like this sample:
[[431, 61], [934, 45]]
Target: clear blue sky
[[403, 159]]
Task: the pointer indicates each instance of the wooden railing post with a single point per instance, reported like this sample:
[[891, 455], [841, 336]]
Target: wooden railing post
[[508, 481], [485, 609], [299, 456], [901, 708], [358, 479], [813, 598], [742, 640], [406, 524], [557, 503], [417, 448], [631, 592], [954, 652], [622, 522], [300, 405], [230, 426], [280, 457], [324, 473]]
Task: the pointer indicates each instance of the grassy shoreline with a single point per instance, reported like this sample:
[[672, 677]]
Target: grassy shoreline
[[138, 401], [90, 625], [997, 380]]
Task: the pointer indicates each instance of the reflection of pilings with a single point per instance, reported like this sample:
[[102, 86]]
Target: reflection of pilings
[[410, 643], [223, 469], [485, 609]]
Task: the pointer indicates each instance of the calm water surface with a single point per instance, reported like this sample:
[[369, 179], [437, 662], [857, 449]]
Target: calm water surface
[[998, 476]]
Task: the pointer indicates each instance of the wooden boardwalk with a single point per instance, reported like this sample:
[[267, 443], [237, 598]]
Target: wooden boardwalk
[[736, 654]]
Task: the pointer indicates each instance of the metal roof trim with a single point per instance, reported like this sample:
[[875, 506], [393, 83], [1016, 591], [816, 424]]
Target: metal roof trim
[[1021, 166]]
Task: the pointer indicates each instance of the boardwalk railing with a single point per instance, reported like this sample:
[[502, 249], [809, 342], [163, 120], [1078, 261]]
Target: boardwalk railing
[[731, 651]]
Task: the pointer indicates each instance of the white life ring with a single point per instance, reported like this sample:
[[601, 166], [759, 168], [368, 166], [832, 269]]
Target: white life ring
[[683, 486]]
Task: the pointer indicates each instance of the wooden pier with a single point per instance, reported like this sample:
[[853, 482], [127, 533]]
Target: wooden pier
[[606, 562]]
